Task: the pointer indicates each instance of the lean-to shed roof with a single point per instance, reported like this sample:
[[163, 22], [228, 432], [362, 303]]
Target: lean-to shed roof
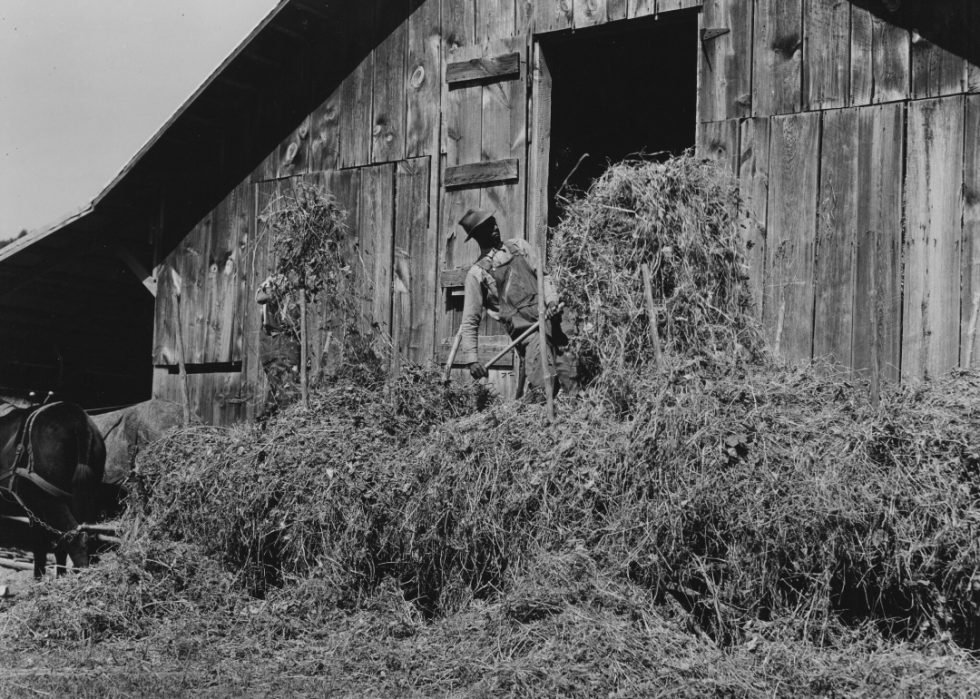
[[75, 278]]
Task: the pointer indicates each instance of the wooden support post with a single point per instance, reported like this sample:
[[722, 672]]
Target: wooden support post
[[303, 378], [181, 353], [546, 377], [652, 312]]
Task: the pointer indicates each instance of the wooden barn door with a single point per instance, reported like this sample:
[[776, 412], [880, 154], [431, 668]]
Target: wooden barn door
[[484, 153]]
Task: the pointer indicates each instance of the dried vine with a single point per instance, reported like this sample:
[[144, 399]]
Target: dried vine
[[309, 232]]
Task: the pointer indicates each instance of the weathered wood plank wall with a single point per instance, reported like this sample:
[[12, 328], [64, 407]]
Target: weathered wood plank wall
[[415, 280], [880, 59], [777, 57], [726, 85], [892, 274], [389, 94], [827, 44], [806, 100], [934, 212], [836, 237], [794, 159], [753, 175], [877, 320], [970, 304]]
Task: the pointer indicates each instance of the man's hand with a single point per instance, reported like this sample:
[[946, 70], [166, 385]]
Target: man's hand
[[553, 309], [478, 371]]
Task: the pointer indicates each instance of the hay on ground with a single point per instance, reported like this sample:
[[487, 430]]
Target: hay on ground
[[692, 516]]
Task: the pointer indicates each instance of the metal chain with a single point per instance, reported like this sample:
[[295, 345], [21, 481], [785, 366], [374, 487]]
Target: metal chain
[[71, 533], [61, 536]]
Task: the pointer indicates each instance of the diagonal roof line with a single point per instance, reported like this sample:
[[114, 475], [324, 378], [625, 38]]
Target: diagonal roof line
[[39, 233], [190, 100], [44, 231]]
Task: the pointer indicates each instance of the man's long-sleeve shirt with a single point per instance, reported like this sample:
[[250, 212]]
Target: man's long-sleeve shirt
[[481, 292]]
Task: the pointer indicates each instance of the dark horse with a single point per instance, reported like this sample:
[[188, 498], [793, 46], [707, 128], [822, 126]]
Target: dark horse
[[52, 459]]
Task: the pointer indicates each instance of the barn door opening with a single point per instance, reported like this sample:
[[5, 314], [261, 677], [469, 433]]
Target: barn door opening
[[605, 94]]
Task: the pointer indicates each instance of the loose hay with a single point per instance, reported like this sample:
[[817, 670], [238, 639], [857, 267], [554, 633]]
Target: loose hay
[[727, 503], [681, 218], [780, 494]]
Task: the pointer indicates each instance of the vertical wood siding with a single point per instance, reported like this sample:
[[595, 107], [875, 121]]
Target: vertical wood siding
[[553, 15], [970, 304], [835, 248], [458, 23], [325, 134], [934, 197], [589, 13], [345, 186], [718, 141], [356, 117], [389, 95], [793, 187], [726, 61], [258, 265], [880, 59], [495, 19], [374, 248], [826, 55], [209, 262], [973, 46], [777, 52], [753, 175], [538, 168], [615, 10], [415, 261], [641, 8], [876, 338], [423, 80], [939, 48], [505, 137], [668, 5]]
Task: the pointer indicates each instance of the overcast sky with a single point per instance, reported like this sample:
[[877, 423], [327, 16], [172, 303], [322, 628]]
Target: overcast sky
[[84, 84]]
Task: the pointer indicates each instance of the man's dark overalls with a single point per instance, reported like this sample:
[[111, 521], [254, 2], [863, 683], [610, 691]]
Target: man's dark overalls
[[517, 298]]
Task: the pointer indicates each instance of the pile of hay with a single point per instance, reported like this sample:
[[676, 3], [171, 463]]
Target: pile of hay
[[728, 500], [564, 628], [297, 495], [681, 219], [781, 494]]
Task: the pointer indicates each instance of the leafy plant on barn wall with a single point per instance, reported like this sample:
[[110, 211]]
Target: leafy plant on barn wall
[[308, 231]]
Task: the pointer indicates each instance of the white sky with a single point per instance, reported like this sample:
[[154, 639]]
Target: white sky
[[84, 84]]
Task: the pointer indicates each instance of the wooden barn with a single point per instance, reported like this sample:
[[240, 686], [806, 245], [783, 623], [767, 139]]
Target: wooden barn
[[853, 126]]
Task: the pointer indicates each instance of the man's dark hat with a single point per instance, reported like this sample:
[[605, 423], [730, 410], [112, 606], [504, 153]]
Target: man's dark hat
[[473, 219]]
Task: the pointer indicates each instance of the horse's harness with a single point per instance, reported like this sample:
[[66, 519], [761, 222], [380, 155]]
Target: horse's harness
[[22, 467]]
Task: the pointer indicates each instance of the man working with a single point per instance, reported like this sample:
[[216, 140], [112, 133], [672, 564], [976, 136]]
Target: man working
[[504, 281]]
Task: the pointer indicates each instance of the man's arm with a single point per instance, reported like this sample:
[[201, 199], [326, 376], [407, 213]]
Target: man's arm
[[472, 314]]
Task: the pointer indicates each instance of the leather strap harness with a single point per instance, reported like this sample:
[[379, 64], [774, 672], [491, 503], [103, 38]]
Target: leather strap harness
[[22, 465]]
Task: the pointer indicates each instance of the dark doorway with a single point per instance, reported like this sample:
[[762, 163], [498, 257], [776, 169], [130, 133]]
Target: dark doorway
[[618, 93]]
